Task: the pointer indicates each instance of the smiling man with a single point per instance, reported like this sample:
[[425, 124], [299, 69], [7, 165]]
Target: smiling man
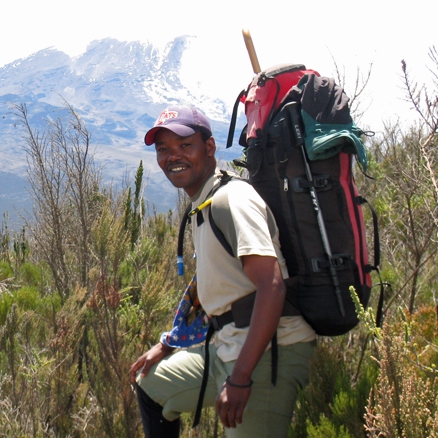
[[185, 154], [240, 373]]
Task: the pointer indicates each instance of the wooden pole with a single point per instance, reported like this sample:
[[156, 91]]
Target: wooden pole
[[251, 51]]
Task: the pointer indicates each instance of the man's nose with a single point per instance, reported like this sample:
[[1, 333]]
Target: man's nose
[[174, 154]]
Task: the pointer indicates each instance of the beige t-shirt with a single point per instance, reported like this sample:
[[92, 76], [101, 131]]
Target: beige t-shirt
[[248, 225]]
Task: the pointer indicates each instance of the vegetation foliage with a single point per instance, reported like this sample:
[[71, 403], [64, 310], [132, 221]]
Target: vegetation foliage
[[91, 282]]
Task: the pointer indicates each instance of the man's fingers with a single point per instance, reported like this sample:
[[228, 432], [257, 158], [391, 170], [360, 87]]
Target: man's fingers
[[224, 417], [231, 404], [133, 371], [138, 364], [239, 414], [132, 376], [145, 369], [232, 418], [222, 411], [226, 414]]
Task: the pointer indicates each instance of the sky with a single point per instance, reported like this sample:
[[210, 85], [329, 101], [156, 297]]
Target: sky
[[354, 33]]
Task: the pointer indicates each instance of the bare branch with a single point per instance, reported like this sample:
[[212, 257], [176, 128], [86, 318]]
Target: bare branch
[[360, 83], [64, 185]]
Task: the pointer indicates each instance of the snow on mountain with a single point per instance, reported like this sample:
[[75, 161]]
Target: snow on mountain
[[118, 88]]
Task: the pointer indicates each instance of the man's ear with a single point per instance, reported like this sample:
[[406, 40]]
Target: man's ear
[[211, 147]]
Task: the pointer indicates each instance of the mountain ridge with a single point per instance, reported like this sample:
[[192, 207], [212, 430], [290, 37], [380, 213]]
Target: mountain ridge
[[118, 89]]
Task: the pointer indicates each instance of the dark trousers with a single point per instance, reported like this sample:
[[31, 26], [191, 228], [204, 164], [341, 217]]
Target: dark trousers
[[154, 424]]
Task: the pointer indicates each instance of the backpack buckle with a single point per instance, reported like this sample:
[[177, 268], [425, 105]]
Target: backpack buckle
[[339, 261], [321, 183]]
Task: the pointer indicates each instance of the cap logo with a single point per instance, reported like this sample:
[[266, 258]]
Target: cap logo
[[166, 115]]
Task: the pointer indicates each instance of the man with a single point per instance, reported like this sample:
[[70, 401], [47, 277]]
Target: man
[[239, 383]]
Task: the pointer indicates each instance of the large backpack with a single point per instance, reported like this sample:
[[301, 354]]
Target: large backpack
[[299, 145]]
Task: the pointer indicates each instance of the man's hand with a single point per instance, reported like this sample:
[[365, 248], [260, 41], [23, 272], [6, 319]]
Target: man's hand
[[151, 357], [230, 404]]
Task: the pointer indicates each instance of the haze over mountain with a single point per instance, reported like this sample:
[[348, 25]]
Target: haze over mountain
[[118, 88]]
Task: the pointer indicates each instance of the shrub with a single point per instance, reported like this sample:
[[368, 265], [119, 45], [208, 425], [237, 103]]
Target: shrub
[[404, 400], [29, 274], [6, 271]]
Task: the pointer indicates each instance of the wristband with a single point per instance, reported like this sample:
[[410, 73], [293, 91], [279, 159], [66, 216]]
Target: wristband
[[229, 382]]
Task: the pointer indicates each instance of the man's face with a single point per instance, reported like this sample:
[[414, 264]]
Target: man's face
[[186, 161]]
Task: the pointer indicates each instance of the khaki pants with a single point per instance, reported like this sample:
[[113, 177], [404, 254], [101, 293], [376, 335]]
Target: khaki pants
[[174, 384]]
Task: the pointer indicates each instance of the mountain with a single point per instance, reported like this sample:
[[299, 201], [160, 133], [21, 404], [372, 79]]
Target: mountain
[[118, 89]]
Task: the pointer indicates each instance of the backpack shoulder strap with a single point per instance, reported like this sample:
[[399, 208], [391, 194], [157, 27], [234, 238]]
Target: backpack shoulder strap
[[189, 212], [219, 234]]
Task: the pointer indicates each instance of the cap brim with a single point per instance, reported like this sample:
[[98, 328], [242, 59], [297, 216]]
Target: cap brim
[[181, 130]]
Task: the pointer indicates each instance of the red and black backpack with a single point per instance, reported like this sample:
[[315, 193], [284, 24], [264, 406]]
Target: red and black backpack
[[299, 145]]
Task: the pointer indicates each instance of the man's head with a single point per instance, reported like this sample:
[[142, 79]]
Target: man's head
[[185, 148]]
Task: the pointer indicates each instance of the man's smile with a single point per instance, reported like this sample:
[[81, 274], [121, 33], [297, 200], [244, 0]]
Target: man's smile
[[178, 168]]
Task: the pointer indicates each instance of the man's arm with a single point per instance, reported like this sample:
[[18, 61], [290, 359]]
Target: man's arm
[[265, 273], [151, 357]]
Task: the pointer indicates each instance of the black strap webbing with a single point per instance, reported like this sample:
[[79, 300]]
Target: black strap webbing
[[198, 411], [182, 229], [375, 267], [274, 359], [234, 118], [219, 234]]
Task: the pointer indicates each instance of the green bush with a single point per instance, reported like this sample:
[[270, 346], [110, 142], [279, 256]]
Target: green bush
[[404, 400], [27, 298], [5, 271], [333, 404], [6, 301], [29, 274], [326, 429]]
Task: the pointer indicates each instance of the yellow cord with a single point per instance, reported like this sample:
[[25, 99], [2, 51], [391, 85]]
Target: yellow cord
[[200, 207]]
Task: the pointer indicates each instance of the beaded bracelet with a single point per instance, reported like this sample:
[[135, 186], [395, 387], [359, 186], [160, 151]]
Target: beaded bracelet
[[229, 382]]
